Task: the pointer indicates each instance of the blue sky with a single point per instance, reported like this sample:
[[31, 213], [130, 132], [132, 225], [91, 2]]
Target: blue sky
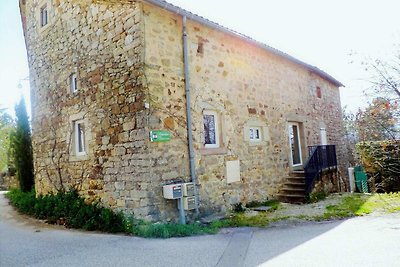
[[13, 59], [321, 33]]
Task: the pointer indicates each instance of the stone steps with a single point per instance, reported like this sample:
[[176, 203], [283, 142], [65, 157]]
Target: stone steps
[[294, 184], [299, 174], [293, 190], [294, 199]]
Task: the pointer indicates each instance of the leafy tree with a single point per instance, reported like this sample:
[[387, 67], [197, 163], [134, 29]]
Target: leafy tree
[[375, 123], [6, 126], [385, 78], [21, 148], [378, 121], [385, 87], [5, 119]]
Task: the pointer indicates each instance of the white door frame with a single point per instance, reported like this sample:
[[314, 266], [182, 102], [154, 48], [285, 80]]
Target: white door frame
[[290, 129], [324, 139]]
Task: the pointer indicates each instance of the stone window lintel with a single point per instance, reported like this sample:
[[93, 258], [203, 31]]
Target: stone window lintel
[[78, 117], [48, 5]]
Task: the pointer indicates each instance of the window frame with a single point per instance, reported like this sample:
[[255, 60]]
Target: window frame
[[216, 127], [79, 138], [263, 131], [295, 138], [319, 92], [73, 83], [44, 20]]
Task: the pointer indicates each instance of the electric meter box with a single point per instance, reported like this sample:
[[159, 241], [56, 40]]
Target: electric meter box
[[189, 203], [188, 189], [172, 191]]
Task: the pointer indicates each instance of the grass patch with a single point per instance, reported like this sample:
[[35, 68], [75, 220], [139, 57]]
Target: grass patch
[[302, 217], [359, 205], [388, 202], [167, 230], [393, 209], [317, 196], [160, 230], [349, 206], [243, 220]]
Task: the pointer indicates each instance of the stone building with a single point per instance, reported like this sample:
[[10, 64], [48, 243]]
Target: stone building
[[106, 73]]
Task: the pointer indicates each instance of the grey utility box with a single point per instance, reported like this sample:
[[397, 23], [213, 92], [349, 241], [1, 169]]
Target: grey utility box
[[189, 203], [172, 191], [188, 189]]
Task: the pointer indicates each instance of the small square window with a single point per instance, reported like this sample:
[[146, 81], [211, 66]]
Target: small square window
[[79, 138], [73, 83], [319, 92], [44, 16], [254, 134], [211, 129]]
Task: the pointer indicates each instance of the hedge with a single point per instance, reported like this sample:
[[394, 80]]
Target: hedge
[[381, 161]]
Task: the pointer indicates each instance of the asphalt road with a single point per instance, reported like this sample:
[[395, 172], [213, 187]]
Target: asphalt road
[[366, 241]]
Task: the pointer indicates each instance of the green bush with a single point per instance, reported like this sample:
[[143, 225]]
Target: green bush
[[381, 161], [69, 209], [23, 201]]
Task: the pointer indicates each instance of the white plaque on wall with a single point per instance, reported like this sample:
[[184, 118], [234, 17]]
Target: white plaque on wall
[[233, 171]]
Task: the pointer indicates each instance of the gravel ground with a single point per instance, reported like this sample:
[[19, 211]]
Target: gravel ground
[[309, 210]]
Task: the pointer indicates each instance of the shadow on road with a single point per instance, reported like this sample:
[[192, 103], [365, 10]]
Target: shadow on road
[[272, 242]]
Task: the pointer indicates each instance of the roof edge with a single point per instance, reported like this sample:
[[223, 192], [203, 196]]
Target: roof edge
[[180, 11]]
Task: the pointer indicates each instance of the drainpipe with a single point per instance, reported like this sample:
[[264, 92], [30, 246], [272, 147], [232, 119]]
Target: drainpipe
[[189, 112]]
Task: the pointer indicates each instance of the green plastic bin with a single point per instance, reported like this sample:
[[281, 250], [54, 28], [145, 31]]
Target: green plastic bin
[[361, 179]]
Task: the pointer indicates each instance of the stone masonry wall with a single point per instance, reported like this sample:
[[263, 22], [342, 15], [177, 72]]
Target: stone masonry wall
[[247, 86], [102, 42], [129, 62]]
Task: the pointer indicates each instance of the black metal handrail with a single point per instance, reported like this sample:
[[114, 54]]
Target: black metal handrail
[[321, 158]]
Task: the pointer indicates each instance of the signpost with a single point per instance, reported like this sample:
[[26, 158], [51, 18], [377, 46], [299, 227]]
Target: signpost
[[159, 136]]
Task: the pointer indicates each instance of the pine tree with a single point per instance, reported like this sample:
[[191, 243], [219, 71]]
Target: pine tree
[[21, 148]]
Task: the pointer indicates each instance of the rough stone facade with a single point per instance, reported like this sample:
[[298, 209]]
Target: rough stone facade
[[128, 58]]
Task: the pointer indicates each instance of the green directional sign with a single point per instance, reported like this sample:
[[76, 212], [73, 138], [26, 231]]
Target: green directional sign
[[160, 136]]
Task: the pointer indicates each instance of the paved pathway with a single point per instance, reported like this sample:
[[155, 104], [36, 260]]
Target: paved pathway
[[366, 241]]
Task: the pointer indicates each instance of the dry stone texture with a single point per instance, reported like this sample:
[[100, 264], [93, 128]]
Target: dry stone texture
[[129, 62]]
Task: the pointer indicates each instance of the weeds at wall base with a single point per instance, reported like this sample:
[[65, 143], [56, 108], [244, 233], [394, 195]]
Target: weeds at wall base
[[70, 210]]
